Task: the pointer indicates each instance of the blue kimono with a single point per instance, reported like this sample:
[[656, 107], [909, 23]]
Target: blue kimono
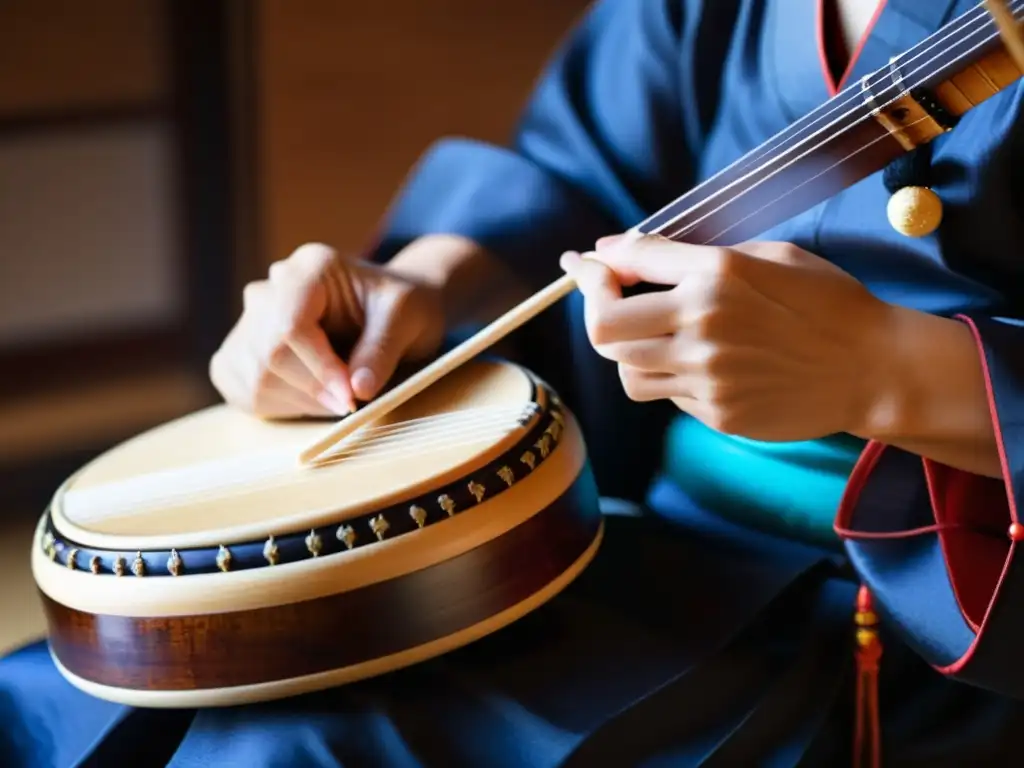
[[715, 625]]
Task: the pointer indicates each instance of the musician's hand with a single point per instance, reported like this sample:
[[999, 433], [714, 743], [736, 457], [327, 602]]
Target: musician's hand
[[763, 340], [278, 361]]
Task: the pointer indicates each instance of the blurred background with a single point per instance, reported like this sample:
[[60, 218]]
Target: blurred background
[[156, 155]]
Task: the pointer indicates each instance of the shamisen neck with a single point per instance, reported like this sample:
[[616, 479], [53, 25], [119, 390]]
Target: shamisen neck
[[918, 96]]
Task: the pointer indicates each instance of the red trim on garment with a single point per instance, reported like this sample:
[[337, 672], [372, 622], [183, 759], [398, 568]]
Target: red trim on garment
[[830, 84], [977, 566], [860, 45], [993, 414], [964, 502], [969, 479], [819, 30], [854, 486]]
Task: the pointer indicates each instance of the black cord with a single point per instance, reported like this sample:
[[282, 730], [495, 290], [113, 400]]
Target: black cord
[[913, 169]]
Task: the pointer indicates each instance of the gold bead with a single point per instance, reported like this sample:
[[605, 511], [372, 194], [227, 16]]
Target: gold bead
[[865, 618], [915, 211], [866, 637]]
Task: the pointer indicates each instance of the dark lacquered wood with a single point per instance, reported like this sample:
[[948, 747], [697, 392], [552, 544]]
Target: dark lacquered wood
[[267, 644], [832, 134], [775, 194]]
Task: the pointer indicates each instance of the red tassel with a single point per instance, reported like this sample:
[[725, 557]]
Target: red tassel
[[867, 740]]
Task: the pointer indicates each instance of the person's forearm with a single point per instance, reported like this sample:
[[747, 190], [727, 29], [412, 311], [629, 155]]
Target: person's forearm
[[926, 392], [477, 287]]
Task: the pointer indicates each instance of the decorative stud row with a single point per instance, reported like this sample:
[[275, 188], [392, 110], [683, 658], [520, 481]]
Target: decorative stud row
[[531, 452]]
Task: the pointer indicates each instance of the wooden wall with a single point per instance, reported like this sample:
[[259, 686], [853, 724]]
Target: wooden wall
[[87, 203], [59, 56], [350, 93], [97, 225]]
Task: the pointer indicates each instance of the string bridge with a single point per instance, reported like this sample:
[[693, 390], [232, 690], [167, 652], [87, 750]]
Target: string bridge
[[914, 117], [917, 114]]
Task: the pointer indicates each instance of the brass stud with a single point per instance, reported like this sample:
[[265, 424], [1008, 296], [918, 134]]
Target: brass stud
[[270, 552], [347, 535], [507, 476], [477, 490], [72, 555], [119, 566], [139, 565], [445, 502], [419, 515], [94, 564], [48, 545], [529, 459], [175, 566], [543, 446], [554, 429], [314, 543], [379, 526], [224, 558]]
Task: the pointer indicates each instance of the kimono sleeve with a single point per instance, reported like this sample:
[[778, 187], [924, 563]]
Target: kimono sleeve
[[600, 140], [940, 548]]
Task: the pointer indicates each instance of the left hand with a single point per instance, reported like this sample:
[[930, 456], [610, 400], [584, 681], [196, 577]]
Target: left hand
[[763, 340]]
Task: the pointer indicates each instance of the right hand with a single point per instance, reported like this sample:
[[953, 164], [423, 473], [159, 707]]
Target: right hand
[[278, 360]]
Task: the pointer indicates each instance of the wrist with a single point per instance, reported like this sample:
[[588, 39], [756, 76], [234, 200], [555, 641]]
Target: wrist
[[473, 285], [882, 390], [437, 261], [922, 381]]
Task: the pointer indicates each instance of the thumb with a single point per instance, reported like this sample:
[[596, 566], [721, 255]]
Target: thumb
[[609, 241], [595, 280], [381, 346], [653, 259]]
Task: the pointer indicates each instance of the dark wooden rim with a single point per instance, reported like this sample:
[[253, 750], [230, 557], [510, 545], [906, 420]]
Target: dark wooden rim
[[480, 485], [268, 644]]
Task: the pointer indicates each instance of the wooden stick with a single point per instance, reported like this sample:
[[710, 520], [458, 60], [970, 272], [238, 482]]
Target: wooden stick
[[1009, 29], [442, 366], [1013, 38]]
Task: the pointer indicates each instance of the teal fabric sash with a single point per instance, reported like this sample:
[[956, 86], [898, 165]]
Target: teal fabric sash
[[790, 489]]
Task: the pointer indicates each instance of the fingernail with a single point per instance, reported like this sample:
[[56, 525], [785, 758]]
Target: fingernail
[[341, 394], [329, 401], [364, 383], [607, 241]]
